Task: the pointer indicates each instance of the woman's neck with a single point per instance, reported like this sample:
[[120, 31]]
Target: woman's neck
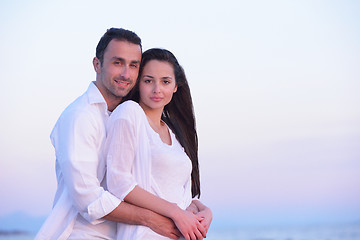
[[154, 115], [154, 119]]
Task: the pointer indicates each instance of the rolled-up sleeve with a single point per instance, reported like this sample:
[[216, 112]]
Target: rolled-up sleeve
[[120, 156], [77, 141]]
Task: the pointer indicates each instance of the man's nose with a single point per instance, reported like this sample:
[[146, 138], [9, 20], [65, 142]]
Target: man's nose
[[125, 73]]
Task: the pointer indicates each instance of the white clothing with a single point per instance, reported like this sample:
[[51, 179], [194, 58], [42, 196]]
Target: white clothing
[[135, 155], [78, 137], [81, 230]]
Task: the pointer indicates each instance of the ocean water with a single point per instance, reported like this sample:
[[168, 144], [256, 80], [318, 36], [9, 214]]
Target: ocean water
[[320, 232], [18, 237]]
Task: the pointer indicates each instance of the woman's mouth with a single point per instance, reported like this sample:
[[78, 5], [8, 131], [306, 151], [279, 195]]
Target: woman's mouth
[[156, 99]]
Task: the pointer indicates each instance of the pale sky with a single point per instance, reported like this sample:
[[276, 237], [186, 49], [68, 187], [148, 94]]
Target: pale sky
[[275, 86]]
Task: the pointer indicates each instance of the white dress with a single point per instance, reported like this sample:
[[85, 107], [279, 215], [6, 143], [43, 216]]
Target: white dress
[[136, 155]]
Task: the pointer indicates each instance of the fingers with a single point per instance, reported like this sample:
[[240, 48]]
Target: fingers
[[206, 221], [199, 218], [198, 236], [174, 236], [205, 225], [191, 227], [194, 236], [202, 230], [198, 233], [177, 232]]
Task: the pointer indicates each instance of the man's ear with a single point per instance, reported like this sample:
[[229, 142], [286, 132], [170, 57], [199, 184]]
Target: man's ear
[[96, 64]]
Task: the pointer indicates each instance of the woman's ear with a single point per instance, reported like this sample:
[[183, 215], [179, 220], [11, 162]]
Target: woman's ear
[[175, 89]]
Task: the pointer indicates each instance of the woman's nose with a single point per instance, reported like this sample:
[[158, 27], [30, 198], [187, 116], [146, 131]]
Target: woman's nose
[[156, 88]]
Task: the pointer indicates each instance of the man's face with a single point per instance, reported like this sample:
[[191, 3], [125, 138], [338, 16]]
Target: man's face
[[117, 75]]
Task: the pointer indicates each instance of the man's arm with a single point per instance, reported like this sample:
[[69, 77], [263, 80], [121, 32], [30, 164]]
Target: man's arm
[[130, 214], [76, 139]]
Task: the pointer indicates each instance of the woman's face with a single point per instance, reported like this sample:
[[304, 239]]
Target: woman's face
[[157, 84]]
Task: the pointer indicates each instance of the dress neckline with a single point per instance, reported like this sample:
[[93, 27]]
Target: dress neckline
[[158, 135]]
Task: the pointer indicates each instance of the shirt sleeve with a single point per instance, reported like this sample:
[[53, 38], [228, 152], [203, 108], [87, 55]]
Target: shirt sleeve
[[120, 152], [77, 142]]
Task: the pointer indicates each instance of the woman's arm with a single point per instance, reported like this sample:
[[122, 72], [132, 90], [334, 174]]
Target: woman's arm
[[203, 211], [188, 223], [131, 214], [128, 165]]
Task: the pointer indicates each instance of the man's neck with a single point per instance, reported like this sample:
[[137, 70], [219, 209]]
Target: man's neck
[[111, 101], [112, 104]]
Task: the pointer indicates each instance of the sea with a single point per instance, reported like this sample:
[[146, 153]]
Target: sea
[[316, 232], [311, 232]]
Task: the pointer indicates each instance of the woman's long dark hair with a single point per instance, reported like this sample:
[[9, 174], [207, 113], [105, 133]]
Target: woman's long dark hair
[[179, 113]]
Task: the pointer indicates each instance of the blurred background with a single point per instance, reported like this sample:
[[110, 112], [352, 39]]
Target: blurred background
[[275, 86]]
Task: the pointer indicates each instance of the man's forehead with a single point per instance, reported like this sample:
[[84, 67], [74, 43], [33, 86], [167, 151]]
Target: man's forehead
[[123, 49], [123, 44]]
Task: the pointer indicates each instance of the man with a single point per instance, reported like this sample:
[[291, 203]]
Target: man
[[82, 206]]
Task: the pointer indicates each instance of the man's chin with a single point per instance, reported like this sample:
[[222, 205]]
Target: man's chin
[[121, 94]]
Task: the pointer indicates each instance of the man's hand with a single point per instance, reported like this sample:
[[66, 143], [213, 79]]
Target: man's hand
[[192, 208], [130, 214]]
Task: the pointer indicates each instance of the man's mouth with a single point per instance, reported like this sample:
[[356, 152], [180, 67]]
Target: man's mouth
[[122, 83]]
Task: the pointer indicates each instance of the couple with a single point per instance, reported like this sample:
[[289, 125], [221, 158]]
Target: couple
[[128, 171]]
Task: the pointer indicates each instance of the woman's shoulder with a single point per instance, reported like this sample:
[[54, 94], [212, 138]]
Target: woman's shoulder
[[129, 104], [127, 109]]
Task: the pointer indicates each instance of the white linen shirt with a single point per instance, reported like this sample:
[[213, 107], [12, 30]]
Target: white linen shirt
[[135, 155], [78, 137]]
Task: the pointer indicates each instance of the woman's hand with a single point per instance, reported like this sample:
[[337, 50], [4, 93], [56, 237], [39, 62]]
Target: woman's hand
[[189, 224], [206, 216], [200, 210]]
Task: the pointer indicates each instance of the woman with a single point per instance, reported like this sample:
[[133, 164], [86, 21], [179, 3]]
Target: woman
[[151, 149]]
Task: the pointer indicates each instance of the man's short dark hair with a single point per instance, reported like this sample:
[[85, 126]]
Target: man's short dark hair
[[118, 34]]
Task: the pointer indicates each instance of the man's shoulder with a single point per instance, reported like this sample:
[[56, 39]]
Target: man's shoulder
[[78, 106], [82, 108], [90, 101]]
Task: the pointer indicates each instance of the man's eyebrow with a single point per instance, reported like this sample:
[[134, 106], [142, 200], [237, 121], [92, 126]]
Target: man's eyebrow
[[117, 58], [123, 60], [135, 61]]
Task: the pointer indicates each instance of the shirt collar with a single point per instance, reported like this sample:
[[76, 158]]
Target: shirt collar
[[95, 96]]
